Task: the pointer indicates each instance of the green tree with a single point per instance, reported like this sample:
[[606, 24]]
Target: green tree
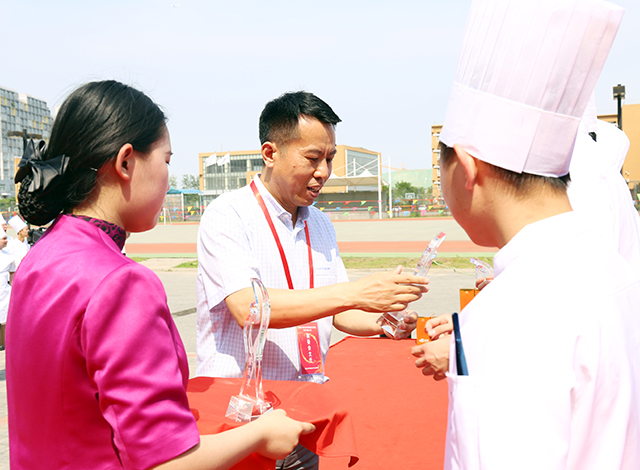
[[428, 192], [190, 182], [7, 204], [402, 187], [173, 181]]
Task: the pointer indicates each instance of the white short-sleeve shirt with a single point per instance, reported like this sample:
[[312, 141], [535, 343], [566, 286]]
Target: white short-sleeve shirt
[[235, 244]]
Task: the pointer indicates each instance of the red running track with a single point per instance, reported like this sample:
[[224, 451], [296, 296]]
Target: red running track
[[460, 246]]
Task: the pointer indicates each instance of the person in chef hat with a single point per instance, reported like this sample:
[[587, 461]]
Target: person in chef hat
[[7, 268], [555, 381], [19, 246]]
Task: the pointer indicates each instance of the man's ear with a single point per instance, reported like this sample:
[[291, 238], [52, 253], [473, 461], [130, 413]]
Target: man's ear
[[469, 166], [268, 150], [124, 162]]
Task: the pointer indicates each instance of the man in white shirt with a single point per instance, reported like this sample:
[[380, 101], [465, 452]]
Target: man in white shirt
[[7, 269], [551, 346], [269, 230]]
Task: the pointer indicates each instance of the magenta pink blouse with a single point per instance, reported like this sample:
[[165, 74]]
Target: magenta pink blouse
[[96, 370]]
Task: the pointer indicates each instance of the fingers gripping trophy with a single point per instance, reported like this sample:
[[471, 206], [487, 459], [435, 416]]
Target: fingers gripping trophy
[[250, 403]]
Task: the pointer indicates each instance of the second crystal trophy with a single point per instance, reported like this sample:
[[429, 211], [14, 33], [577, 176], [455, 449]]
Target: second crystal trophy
[[250, 403], [483, 270], [389, 321]]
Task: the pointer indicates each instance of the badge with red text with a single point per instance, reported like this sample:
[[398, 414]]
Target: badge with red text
[[309, 349]]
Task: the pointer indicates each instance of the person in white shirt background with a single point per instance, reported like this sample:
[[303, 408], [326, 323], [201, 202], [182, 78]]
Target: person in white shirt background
[[19, 246], [7, 269]]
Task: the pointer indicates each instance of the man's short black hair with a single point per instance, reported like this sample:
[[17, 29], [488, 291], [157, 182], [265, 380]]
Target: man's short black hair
[[279, 118], [518, 184]]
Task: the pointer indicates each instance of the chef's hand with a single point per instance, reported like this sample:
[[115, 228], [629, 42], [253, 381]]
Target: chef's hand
[[433, 357], [440, 325], [482, 282]]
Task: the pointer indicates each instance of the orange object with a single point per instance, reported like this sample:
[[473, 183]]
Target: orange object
[[466, 296], [421, 334]]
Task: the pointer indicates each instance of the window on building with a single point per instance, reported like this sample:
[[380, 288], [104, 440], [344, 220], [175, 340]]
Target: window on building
[[357, 162], [236, 166]]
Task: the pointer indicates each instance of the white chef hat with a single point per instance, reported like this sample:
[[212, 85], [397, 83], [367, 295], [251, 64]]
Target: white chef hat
[[524, 77], [17, 223], [2, 221]]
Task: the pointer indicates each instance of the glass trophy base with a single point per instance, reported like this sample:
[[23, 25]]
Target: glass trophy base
[[243, 409], [389, 322]]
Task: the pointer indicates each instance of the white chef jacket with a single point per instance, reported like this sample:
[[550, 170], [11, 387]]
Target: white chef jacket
[[236, 244], [553, 353], [19, 249], [7, 266]]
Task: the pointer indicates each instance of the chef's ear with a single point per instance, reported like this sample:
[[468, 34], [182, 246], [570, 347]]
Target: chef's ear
[[468, 164]]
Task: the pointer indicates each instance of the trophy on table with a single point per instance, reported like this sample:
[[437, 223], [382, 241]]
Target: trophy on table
[[389, 321], [250, 403]]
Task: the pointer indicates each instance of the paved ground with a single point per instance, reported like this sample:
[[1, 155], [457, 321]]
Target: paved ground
[[180, 283]]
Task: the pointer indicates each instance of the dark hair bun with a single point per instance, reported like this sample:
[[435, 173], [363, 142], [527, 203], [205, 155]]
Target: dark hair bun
[[38, 208]]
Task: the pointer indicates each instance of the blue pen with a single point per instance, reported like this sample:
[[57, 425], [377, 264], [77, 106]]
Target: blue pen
[[461, 361]]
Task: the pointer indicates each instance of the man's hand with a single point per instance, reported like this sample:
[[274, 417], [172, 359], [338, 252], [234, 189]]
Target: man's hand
[[387, 292], [406, 326]]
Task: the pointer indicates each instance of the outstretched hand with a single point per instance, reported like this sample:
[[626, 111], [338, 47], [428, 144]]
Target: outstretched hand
[[388, 291]]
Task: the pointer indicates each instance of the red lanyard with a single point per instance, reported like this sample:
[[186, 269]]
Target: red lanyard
[[285, 265]]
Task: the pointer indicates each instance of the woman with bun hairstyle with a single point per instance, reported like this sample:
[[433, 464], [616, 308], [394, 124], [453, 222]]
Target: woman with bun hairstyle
[[96, 370]]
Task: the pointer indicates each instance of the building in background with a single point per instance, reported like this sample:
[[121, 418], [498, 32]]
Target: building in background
[[435, 160], [221, 172], [18, 112], [631, 127], [354, 190]]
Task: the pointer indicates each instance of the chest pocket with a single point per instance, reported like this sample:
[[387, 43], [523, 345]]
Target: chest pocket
[[463, 423], [324, 276]]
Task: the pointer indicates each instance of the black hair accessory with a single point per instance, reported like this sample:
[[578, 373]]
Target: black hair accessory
[[44, 173]]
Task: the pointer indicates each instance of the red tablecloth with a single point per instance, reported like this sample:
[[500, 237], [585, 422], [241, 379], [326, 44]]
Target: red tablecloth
[[333, 437], [399, 415]]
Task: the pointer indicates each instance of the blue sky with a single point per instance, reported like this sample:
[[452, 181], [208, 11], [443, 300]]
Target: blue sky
[[385, 67]]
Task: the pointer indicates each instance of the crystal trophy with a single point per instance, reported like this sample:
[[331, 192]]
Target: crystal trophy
[[250, 403], [483, 270], [389, 321]]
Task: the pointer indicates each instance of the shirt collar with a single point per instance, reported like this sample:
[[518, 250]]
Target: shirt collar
[[275, 209], [536, 236], [117, 233]]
